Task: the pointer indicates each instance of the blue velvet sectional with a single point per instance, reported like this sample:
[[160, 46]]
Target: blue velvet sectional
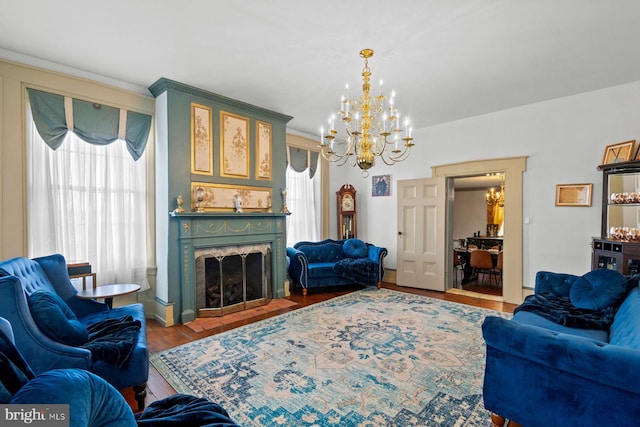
[[334, 263], [557, 366]]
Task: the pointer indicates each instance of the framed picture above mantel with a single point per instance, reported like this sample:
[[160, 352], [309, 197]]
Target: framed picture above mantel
[[201, 140], [235, 146], [263, 150]]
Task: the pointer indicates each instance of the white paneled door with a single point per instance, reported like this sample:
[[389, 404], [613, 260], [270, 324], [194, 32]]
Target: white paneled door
[[421, 233]]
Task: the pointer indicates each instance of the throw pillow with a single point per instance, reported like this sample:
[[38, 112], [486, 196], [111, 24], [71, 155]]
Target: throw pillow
[[55, 319], [355, 248], [598, 289]]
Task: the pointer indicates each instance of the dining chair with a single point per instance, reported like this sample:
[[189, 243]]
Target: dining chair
[[481, 263]]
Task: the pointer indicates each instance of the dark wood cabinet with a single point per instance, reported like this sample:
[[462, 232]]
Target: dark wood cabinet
[[618, 247]]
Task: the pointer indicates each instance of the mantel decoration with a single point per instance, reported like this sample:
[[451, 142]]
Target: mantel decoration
[[372, 128], [496, 197]]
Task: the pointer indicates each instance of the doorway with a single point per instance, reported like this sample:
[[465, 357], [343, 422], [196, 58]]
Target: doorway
[[513, 168], [477, 225]]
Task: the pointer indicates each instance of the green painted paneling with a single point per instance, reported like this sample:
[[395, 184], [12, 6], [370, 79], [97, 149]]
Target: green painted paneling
[[177, 148]]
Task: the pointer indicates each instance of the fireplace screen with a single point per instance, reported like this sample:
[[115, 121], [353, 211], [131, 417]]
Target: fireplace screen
[[232, 278]]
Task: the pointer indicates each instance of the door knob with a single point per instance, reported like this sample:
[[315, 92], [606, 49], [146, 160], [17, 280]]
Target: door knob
[[399, 233]]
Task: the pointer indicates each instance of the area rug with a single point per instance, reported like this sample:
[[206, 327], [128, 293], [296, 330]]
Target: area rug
[[371, 358]]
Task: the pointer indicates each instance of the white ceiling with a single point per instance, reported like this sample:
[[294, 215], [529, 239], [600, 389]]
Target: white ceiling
[[446, 59]]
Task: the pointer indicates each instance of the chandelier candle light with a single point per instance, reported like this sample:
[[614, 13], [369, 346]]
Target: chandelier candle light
[[496, 197], [372, 128]]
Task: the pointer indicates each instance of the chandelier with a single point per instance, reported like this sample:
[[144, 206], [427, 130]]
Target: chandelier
[[496, 197], [372, 128]]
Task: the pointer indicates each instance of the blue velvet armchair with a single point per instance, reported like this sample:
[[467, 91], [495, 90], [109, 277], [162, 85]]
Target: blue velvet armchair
[[22, 278]]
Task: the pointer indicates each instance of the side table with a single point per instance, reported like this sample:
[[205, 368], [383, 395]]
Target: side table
[[108, 292]]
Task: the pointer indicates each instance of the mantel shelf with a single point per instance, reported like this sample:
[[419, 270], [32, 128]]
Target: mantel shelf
[[225, 214]]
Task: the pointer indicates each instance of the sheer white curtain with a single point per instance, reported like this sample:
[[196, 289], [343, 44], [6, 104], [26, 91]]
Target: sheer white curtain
[[88, 202], [302, 224]]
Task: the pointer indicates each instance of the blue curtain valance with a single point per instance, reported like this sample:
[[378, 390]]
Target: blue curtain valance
[[94, 123], [300, 159]]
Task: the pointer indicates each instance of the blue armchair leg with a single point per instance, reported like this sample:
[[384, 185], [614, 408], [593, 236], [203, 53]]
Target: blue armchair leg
[[140, 392]]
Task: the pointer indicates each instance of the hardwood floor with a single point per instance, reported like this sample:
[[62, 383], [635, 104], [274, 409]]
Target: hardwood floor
[[160, 338]]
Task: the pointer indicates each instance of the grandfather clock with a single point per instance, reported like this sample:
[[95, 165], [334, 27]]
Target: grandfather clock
[[347, 212]]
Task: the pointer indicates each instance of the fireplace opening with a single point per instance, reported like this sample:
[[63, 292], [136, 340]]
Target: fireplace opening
[[232, 278]]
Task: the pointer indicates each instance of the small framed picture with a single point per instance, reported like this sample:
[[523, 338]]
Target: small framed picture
[[380, 185], [573, 194], [620, 152], [201, 140], [263, 150]]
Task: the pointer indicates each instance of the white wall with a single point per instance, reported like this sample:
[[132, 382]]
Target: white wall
[[469, 213], [564, 140]]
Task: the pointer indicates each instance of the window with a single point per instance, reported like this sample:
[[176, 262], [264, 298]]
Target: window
[[303, 196], [88, 202]]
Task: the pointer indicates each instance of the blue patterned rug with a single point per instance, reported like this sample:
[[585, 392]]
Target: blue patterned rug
[[375, 357]]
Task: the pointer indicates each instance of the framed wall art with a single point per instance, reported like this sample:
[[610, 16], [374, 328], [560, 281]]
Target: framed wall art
[[263, 150], [620, 152], [381, 185], [210, 197], [573, 194], [201, 140], [234, 145]]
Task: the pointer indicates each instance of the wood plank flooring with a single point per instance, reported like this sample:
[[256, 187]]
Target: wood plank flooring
[[160, 338]]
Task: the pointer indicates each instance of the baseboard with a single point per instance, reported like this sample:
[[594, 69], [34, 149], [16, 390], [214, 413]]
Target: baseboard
[[389, 276], [163, 313]]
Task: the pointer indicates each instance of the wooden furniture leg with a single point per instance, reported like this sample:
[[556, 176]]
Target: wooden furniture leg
[[140, 392], [499, 420]]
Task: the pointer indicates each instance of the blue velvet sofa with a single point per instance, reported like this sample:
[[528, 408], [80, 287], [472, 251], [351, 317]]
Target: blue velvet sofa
[[49, 321], [335, 262], [570, 356]]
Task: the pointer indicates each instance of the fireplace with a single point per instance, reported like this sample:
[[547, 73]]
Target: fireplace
[[232, 278], [239, 257]]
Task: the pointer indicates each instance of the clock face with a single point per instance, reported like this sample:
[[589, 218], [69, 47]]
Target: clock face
[[347, 202]]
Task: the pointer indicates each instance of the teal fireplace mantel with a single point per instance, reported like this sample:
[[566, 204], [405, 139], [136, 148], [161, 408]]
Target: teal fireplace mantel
[[175, 179], [205, 230]]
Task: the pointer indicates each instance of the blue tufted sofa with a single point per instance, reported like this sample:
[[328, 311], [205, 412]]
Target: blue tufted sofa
[[543, 373], [335, 262], [21, 278]]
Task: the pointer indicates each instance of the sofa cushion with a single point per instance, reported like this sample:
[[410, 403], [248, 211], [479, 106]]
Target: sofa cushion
[[55, 319], [529, 318], [355, 248], [598, 289], [321, 269]]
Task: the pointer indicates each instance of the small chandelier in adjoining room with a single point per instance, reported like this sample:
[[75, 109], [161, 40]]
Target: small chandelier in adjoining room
[[372, 128], [496, 197]]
